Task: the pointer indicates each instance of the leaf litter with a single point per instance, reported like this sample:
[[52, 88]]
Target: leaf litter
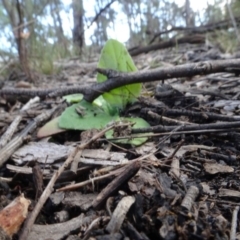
[[180, 184]]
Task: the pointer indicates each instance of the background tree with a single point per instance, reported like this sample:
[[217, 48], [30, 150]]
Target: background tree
[[78, 23]]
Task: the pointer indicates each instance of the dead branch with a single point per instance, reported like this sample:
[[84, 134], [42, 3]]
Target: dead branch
[[118, 79], [113, 186], [98, 15], [164, 110], [16, 142], [234, 223], [5, 138], [169, 43], [161, 128]]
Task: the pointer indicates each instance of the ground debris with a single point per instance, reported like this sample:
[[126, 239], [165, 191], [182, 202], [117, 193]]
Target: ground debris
[[181, 184]]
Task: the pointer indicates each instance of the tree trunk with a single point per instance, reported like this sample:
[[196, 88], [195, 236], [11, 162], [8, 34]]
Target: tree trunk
[[189, 15], [15, 14], [78, 28]]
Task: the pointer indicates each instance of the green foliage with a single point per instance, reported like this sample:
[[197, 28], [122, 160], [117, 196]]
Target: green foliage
[[84, 116], [42, 21], [116, 57], [213, 12], [73, 98], [46, 66], [226, 40], [102, 103], [43, 54], [235, 8]]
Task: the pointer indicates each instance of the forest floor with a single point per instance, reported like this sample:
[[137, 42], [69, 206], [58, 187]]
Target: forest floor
[[183, 183]]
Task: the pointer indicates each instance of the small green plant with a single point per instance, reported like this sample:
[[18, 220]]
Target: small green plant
[[116, 57], [105, 109]]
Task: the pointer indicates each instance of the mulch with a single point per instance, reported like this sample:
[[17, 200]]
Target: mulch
[[183, 183]]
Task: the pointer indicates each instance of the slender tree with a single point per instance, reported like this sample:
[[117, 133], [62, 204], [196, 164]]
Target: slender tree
[[78, 21]]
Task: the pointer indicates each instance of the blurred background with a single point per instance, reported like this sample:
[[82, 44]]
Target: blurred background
[[39, 32]]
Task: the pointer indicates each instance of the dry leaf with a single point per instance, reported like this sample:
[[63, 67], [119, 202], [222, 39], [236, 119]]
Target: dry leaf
[[13, 215]]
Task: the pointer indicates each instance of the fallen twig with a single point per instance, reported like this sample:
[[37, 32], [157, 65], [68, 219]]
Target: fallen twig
[[12, 128], [234, 223], [209, 126], [10, 148], [119, 214], [117, 79], [113, 186]]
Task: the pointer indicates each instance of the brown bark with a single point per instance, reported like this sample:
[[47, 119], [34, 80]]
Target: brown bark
[[169, 43], [118, 79], [78, 28], [16, 17]]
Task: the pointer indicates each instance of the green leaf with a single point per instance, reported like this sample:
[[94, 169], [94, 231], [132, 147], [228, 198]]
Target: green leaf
[[138, 123], [116, 57], [84, 116], [102, 103], [73, 98]]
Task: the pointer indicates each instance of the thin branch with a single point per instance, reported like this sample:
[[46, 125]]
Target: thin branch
[[234, 223], [98, 15], [194, 39], [186, 70], [118, 79], [17, 141], [196, 127]]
